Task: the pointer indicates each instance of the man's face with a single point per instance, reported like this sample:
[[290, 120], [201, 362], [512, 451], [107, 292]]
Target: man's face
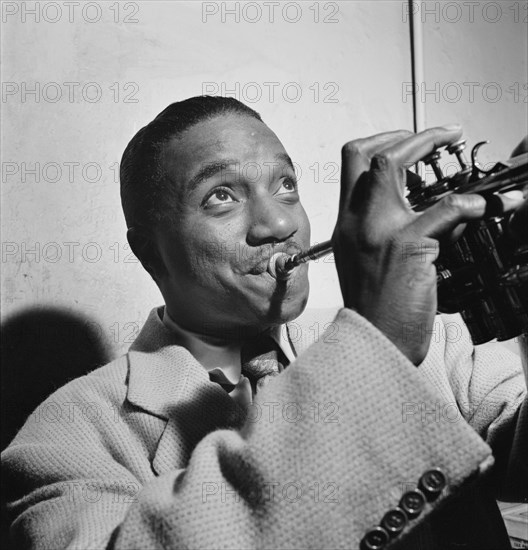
[[237, 204]]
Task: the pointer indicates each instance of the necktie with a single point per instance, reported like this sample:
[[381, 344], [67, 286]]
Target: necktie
[[261, 360]]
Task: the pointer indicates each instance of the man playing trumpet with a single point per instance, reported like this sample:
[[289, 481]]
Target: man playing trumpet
[[178, 434]]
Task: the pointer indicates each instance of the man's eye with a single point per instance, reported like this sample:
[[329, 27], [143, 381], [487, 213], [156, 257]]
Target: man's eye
[[218, 196], [288, 185]]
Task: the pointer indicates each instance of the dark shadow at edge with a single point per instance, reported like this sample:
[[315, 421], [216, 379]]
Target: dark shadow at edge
[[41, 350]]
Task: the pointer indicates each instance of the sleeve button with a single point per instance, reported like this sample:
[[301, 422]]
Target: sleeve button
[[375, 539], [432, 483], [394, 521], [412, 503]]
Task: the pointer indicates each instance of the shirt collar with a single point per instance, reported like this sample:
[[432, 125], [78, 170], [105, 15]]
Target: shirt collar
[[222, 359]]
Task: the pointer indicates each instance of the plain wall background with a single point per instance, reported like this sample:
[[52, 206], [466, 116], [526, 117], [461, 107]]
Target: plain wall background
[[352, 75]]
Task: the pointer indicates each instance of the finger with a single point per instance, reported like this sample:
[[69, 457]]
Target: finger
[[388, 167], [356, 156], [401, 135], [379, 142], [446, 214], [454, 235], [409, 151], [501, 204]]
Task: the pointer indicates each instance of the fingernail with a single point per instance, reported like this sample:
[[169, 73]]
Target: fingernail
[[452, 127]]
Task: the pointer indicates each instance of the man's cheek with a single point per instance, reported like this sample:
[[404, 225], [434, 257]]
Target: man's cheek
[[304, 226], [205, 255]]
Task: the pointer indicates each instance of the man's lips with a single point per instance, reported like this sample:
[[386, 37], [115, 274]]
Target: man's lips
[[259, 265]]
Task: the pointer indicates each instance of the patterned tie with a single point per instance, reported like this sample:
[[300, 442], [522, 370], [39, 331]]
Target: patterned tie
[[262, 359]]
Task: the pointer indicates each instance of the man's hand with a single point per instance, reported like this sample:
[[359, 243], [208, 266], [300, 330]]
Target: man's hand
[[384, 251]]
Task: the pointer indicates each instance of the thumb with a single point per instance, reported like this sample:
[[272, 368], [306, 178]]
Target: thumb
[[447, 213]]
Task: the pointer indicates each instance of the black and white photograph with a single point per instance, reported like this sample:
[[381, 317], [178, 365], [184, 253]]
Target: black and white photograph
[[264, 278]]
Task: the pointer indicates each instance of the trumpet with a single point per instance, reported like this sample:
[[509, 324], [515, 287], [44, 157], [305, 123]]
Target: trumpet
[[484, 274]]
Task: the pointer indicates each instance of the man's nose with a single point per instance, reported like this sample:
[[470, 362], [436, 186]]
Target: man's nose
[[270, 221]]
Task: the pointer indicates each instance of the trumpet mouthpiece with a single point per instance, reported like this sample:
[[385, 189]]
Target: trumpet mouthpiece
[[277, 266]]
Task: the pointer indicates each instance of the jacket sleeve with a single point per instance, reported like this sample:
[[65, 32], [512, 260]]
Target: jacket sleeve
[[489, 392], [329, 447]]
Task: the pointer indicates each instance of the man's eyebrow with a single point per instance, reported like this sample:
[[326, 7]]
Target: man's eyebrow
[[210, 169], [285, 158]]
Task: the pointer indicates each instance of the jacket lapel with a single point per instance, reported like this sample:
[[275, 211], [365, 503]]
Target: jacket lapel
[[167, 381]]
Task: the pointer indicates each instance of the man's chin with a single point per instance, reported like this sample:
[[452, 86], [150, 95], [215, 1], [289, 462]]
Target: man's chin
[[290, 315], [286, 305]]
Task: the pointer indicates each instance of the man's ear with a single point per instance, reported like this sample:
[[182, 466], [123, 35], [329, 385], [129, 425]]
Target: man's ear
[[145, 249]]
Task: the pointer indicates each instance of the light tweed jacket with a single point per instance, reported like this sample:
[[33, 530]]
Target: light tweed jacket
[[146, 452]]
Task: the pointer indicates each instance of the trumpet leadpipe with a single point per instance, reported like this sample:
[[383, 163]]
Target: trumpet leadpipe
[[281, 265]]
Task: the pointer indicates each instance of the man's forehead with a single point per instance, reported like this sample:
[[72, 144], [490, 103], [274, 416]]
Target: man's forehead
[[227, 136], [226, 142]]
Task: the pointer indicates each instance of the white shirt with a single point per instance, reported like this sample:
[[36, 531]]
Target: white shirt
[[223, 359]]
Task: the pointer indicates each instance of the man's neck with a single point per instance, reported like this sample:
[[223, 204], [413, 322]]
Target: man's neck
[[220, 334], [213, 351]]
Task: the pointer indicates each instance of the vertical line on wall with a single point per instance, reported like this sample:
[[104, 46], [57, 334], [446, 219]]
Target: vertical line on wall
[[417, 66]]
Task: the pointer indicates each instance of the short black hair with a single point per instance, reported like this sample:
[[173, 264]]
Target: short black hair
[[146, 189]]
